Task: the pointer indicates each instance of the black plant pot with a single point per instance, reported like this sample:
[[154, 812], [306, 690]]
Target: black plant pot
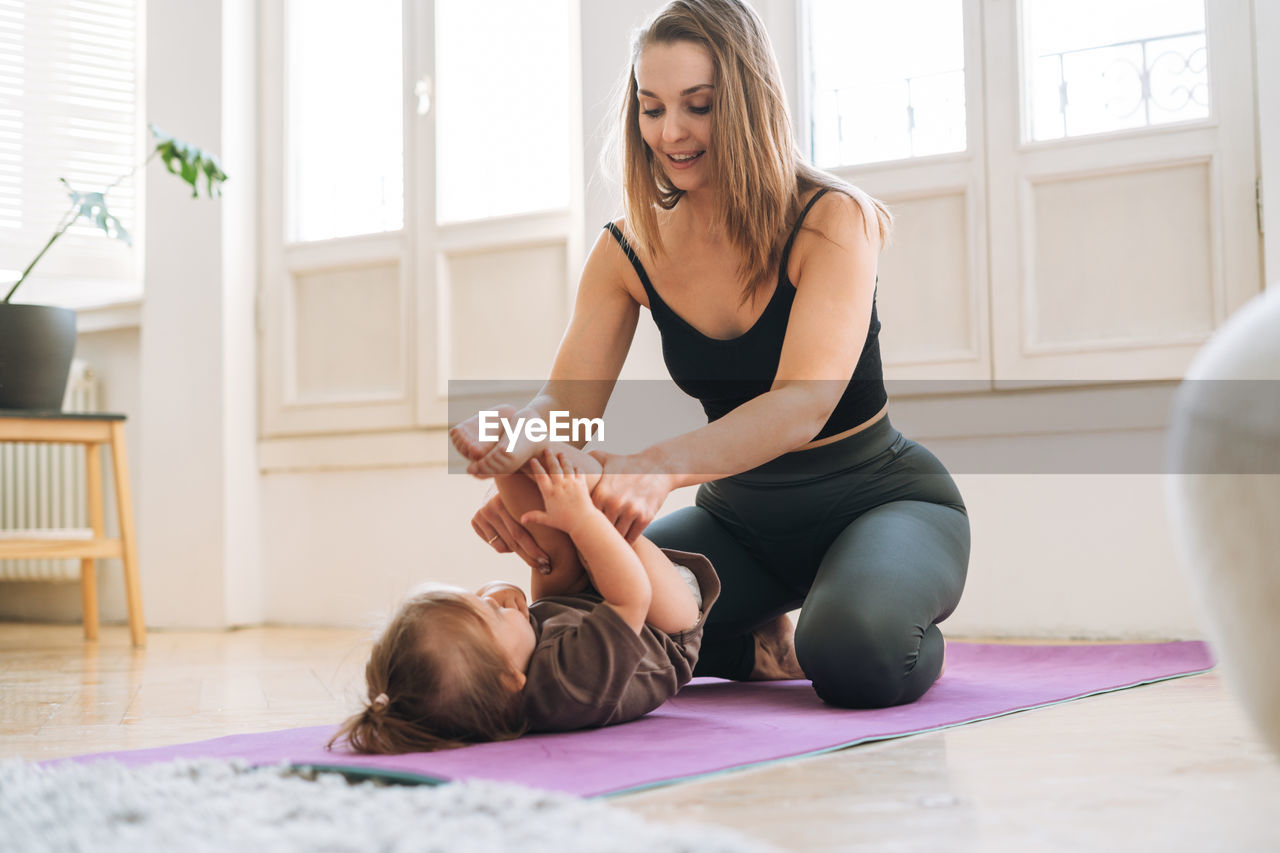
[[36, 346]]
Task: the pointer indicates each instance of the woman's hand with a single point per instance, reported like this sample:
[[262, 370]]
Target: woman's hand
[[492, 457], [505, 535], [630, 492]]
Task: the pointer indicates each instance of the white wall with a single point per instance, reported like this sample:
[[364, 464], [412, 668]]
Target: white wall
[[199, 542], [1266, 32], [1071, 555], [351, 543]]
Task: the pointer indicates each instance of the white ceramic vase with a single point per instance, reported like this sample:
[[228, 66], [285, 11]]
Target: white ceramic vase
[[1223, 492]]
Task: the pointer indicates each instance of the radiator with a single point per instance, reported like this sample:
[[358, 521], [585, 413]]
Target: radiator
[[42, 489]]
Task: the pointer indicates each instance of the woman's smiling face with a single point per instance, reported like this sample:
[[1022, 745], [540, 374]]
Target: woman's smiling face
[[675, 83]]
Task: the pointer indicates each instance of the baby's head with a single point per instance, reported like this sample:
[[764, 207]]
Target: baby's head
[[447, 671]]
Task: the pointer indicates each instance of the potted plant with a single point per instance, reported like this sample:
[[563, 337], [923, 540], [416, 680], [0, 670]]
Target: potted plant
[[38, 341]]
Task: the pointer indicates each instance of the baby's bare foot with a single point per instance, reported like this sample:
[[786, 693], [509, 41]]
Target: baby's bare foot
[[776, 651]]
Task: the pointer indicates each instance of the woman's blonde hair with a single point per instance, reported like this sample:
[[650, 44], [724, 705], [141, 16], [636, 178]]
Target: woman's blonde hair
[[437, 679], [757, 171]]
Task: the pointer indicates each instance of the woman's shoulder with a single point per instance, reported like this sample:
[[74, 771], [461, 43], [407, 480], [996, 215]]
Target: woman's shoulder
[[617, 242], [833, 208], [615, 262], [634, 247], [664, 220], [836, 221], [845, 215]]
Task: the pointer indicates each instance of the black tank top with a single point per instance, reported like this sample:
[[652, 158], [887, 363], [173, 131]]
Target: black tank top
[[724, 374]]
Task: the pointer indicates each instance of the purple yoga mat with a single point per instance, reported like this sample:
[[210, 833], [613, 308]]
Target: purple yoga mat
[[715, 725]]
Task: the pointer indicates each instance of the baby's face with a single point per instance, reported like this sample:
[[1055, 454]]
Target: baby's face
[[505, 610]]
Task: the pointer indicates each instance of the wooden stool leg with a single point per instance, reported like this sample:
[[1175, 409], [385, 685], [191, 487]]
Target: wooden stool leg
[[89, 597], [88, 568], [128, 544]]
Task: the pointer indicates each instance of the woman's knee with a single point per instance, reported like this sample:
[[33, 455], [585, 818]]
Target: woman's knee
[[860, 659]]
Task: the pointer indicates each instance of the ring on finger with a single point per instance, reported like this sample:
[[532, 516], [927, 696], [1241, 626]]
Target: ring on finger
[[490, 542]]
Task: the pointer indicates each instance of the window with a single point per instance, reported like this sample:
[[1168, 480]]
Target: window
[[1019, 258], [68, 94], [1095, 66], [418, 198], [344, 105], [887, 80], [502, 99]]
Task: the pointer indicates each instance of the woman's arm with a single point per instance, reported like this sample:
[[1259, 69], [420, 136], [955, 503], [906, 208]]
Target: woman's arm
[[834, 271]]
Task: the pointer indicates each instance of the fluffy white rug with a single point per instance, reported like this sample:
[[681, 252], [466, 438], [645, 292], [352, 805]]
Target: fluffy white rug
[[217, 805]]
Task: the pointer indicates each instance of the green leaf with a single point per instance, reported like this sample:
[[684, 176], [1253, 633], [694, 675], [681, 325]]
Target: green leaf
[[214, 174], [186, 161], [93, 207], [189, 163]]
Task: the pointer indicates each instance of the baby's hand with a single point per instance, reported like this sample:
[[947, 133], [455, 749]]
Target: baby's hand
[[505, 594], [564, 493]]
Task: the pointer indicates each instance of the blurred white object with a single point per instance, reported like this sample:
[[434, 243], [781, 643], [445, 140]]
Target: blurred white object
[[1224, 498]]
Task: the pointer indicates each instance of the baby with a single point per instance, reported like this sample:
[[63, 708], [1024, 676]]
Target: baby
[[595, 647]]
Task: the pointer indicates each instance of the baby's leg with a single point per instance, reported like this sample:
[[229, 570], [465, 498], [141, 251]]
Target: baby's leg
[[519, 495], [672, 607]]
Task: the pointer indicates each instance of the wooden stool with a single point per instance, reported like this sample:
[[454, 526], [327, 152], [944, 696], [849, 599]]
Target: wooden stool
[[91, 430]]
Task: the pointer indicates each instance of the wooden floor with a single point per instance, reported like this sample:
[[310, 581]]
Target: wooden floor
[[1170, 766]]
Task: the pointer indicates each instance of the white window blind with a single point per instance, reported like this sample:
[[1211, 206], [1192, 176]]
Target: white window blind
[[68, 95]]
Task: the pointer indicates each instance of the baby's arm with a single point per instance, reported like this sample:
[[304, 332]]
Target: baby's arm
[[673, 608], [615, 568]]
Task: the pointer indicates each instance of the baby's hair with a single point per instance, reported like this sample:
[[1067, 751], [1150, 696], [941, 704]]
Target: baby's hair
[[437, 679]]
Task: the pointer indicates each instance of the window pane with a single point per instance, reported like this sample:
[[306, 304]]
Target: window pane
[[502, 108], [1099, 65], [888, 79], [344, 149]]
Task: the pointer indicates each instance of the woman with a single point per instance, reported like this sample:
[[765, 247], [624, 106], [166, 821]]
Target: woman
[[760, 274]]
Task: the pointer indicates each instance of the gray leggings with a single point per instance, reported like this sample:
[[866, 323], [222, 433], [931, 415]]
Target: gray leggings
[[869, 534]]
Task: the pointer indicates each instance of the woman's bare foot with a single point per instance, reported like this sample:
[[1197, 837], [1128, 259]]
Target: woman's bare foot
[[776, 651]]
